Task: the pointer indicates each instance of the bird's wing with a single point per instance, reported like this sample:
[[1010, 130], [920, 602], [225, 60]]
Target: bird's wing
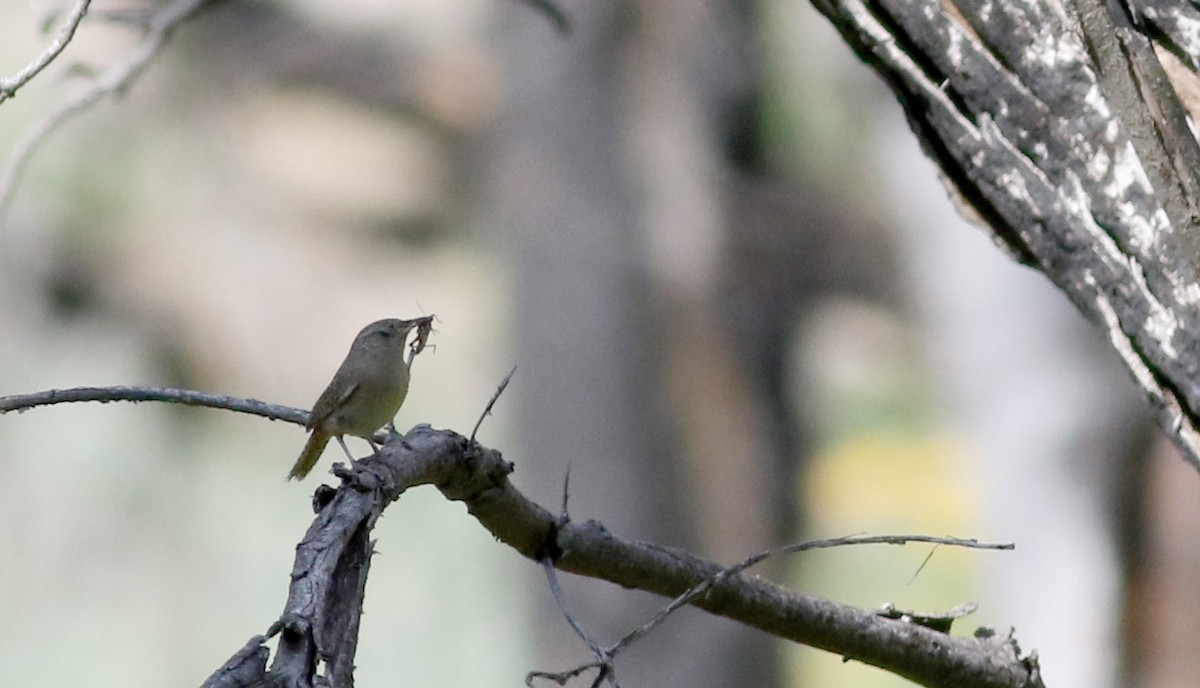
[[329, 402]]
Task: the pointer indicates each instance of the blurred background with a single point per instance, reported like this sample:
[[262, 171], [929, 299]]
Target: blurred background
[[743, 310]]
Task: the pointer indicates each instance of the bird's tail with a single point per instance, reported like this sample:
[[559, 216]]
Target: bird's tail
[[309, 455]]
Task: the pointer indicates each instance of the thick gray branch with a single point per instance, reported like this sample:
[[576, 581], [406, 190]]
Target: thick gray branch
[[325, 598]]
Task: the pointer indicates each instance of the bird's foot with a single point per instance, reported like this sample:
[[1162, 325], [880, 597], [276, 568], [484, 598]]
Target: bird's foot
[[364, 475]]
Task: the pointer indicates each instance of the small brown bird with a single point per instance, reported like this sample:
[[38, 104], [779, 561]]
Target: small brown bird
[[366, 391]]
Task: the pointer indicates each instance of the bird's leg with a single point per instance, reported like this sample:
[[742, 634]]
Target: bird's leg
[[374, 448], [343, 443]]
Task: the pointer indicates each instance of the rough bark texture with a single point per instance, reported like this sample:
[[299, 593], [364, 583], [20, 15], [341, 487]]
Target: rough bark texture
[[321, 616], [1056, 124]]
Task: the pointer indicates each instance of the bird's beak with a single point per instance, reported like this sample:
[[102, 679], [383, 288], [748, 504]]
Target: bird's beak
[[425, 320]]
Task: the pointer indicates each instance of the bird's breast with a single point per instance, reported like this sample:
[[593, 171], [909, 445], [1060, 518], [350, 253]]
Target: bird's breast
[[374, 403]]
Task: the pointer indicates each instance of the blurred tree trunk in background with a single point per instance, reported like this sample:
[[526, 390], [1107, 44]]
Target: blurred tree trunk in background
[[589, 336], [660, 271]]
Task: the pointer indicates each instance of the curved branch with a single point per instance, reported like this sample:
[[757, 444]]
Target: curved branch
[[9, 86], [188, 397], [113, 81], [325, 598]]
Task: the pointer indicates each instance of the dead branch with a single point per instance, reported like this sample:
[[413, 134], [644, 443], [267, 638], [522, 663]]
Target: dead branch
[[1055, 124], [10, 86], [158, 28], [188, 397], [487, 410], [331, 564], [320, 621]]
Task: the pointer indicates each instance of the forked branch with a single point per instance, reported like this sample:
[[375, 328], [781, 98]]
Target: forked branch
[[479, 478]]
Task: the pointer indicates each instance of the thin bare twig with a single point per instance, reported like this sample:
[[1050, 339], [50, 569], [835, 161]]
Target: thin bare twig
[[562, 677], [9, 86], [923, 563], [556, 590], [606, 656], [112, 81], [487, 411], [702, 587], [188, 397]]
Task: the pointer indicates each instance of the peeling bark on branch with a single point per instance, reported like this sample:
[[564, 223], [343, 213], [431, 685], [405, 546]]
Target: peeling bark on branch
[[1056, 124], [320, 620]]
